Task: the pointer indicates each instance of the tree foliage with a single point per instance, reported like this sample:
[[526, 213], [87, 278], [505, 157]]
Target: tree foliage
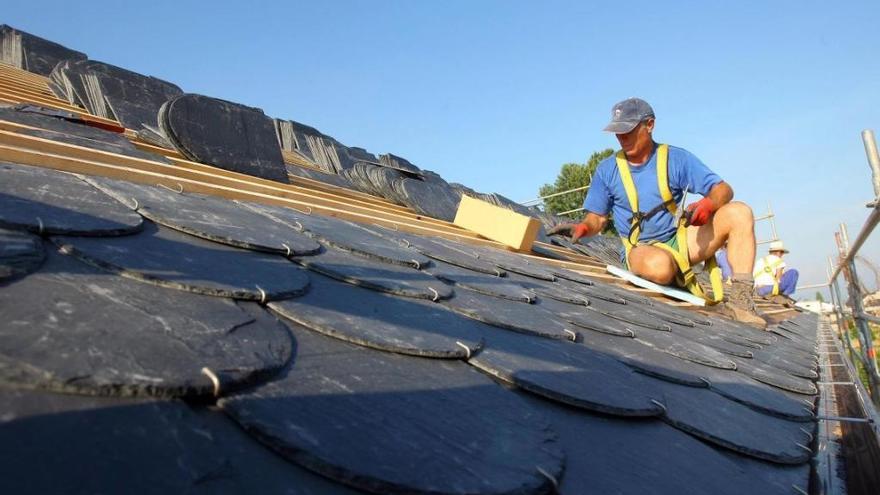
[[819, 297], [572, 176]]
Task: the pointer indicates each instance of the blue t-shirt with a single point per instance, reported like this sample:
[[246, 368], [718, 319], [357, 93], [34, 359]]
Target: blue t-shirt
[[606, 193]]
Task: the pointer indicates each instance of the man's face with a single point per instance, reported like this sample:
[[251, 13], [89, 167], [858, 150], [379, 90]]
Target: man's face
[[778, 253], [638, 141]]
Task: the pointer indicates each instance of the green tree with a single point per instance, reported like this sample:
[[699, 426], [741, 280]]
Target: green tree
[[572, 176], [819, 297]]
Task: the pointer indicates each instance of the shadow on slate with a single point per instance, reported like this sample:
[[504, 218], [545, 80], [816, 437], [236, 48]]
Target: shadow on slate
[[20, 253], [652, 458], [103, 445], [729, 424], [532, 319], [566, 372], [66, 127], [133, 99], [388, 423], [223, 134], [72, 328], [380, 321], [383, 277], [480, 282], [251, 467], [209, 217], [343, 235], [48, 202], [36, 54], [165, 257]]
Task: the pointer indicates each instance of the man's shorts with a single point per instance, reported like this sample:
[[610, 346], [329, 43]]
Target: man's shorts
[[671, 242]]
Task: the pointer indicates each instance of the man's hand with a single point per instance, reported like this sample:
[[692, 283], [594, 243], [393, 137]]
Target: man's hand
[[700, 212], [576, 230]]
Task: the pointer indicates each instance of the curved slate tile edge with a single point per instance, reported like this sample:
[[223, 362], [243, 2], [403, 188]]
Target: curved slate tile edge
[[443, 293], [257, 295], [460, 353], [708, 437], [225, 240], [334, 473], [475, 315], [555, 396]]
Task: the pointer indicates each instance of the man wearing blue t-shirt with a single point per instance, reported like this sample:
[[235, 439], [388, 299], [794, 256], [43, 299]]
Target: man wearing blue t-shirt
[[714, 219]]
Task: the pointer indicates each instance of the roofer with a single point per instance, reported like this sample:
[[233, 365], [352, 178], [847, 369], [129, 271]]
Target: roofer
[[771, 277], [650, 179]]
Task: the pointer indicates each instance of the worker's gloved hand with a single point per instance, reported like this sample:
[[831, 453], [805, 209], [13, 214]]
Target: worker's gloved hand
[[575, 230], [700, 212]]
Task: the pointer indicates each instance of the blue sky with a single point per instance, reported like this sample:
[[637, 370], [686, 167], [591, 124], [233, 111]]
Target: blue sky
[[498, 94]]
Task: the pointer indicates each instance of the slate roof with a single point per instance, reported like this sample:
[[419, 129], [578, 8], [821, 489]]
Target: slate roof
[[157, 339]]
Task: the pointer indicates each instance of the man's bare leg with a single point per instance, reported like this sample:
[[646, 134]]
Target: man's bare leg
[[733, 224], [652, 263]]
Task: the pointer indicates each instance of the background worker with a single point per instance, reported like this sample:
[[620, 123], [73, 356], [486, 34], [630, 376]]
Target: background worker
[[772, 278], [714, 219]]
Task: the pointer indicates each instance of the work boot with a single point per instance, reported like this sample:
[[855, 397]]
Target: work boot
[[781, 300], [739, 304]]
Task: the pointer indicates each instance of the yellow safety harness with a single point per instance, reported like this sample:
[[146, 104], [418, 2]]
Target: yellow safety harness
[[770, 268], [685, 277]]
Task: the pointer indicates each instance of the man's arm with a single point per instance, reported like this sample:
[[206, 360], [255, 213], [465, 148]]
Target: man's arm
[[720, 194], [700, 212], [591, 225]]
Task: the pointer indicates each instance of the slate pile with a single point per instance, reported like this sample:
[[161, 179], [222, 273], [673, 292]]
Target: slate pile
[[174, 342], [115, 93], [323, 151], [32, 53], [227, 135]]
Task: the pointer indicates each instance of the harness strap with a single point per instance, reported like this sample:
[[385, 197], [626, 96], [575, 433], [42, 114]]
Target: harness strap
[[770, 268], [685, 276]]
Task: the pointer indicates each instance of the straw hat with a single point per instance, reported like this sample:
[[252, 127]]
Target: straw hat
[[778, 246]]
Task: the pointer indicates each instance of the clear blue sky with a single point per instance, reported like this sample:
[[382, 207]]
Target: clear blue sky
[[498, 94]]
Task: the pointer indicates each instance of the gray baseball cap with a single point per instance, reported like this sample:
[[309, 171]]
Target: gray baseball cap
[[627, 114]]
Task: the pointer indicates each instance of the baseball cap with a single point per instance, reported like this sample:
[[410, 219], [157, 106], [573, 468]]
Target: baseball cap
[[627, 114]]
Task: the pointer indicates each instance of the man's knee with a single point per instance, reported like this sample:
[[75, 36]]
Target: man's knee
[[737, 213], [652, 264]]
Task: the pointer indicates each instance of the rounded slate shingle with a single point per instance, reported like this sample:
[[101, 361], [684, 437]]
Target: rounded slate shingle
[[566, 372], [212, 218], [374, 319], [387, 423], [480, 282], [73, 328], [343, 235], [169, 258], [48, 202], [370, 274]]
